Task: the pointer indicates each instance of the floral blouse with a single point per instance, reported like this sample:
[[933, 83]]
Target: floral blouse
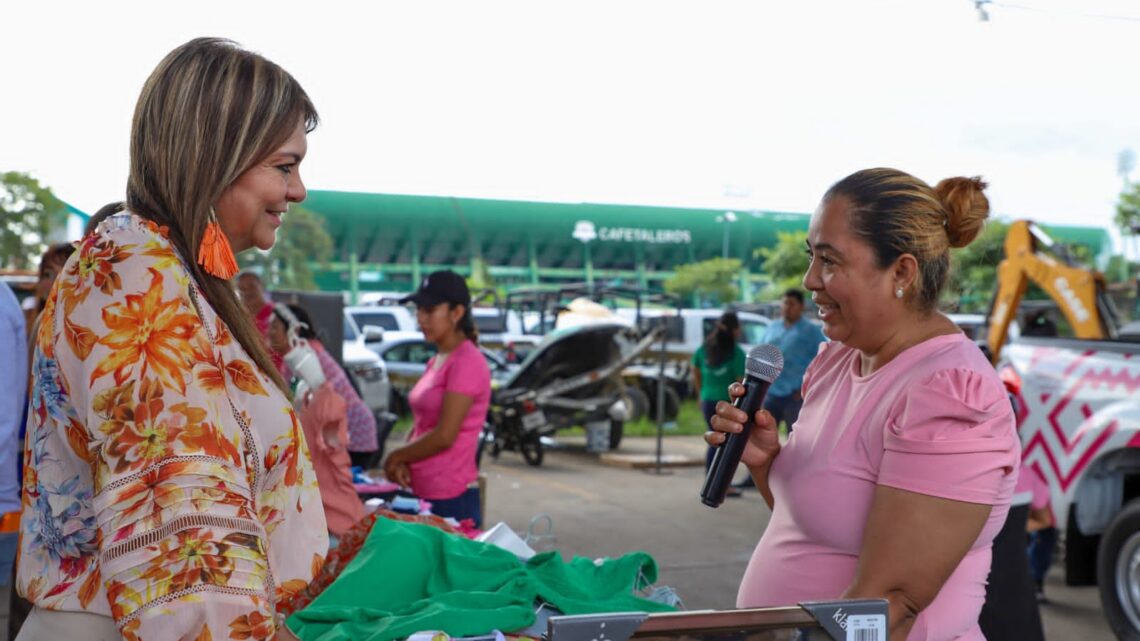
[[168, 482]]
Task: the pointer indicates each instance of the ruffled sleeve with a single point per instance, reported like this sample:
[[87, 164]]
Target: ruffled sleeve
[[951, 435]]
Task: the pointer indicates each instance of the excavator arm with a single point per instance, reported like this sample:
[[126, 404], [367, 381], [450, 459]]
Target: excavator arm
[[1078, 292]]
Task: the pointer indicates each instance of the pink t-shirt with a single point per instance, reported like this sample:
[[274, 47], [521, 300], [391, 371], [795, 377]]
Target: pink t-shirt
[[1031, 490], [935, 420], [447, 474], [1039, 488]]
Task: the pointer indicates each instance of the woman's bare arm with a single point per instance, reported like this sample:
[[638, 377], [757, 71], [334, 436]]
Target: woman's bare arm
[[911, 544]]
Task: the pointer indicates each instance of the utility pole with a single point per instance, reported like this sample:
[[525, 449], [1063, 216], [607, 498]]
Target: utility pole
[[727, 219], [1125, 163]]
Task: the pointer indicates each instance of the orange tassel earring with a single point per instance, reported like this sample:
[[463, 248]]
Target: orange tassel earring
[[215, 254]]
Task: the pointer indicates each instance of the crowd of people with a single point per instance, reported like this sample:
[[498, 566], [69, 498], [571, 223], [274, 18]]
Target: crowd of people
[[189, 442]]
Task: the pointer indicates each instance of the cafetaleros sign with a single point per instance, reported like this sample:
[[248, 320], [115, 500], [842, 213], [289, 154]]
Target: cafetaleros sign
[[585, 231]]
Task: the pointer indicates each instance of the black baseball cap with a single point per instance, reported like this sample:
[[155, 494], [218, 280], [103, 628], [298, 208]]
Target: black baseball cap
[[440, 287]]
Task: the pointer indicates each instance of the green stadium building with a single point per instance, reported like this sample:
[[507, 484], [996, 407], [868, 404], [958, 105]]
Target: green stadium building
[[385, 242]]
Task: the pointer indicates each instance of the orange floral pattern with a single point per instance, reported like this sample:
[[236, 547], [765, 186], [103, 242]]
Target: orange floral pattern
[[168, 482]]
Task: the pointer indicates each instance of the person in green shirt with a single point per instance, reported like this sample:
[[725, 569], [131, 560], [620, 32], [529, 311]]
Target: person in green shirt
[[718, 363]]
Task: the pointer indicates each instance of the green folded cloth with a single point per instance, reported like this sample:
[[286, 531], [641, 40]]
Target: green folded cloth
[[409, 577]]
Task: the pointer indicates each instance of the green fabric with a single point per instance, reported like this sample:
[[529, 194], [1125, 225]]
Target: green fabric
[[583, 587], [715, 380], [410, 577]]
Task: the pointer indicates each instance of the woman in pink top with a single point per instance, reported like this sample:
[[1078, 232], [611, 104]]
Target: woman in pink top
[[901, 467], [449, 403]]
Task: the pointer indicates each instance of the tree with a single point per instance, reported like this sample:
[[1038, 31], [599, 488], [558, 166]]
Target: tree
[[29, 212], [301, 241], [1128, 210], [709, 279], [1120, 269], [481, 281], [973, 269], [785, 263], [1127, 216]]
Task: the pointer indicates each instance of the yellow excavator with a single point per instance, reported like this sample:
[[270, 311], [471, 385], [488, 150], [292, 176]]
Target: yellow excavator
[[1080, 293]]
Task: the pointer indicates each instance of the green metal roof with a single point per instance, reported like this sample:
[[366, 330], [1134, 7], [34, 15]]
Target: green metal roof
[[75, 211], [380, 225], [391, 234], [382, 228]]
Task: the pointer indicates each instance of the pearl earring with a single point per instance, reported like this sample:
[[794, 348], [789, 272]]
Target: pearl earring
[[898, 292]]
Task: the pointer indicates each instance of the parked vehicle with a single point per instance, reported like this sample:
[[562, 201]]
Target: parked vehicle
[[345, 340], [491, 321], [685, 331], [387, 318], [375, 298], [513, 348], [1129, 332], [501, 332], [575, 375], [1078, 410], [572, 378], [405, 355], [1077, 402], [367, 371], [685, 336], [1079, 293]]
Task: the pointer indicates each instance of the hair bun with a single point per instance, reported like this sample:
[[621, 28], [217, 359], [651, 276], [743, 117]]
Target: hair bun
[[966, 208]]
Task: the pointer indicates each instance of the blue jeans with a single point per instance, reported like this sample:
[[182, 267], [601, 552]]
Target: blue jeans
[[784, 408], [8, 543], [464, 506], [1041, 544]]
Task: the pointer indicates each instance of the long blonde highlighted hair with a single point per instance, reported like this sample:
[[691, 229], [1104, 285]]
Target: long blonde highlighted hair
[[207, 113]]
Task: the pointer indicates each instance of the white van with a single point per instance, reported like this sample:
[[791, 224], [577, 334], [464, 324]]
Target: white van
[[386, 318], [688, 331]]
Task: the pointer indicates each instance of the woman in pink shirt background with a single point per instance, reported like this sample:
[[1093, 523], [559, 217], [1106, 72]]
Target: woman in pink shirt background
[[449, 403], [901, 467]]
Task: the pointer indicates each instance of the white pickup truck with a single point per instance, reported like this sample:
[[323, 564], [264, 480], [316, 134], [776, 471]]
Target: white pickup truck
[[1078, 409]]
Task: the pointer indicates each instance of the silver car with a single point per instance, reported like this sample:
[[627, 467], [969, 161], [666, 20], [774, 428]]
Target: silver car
[[405, 355]]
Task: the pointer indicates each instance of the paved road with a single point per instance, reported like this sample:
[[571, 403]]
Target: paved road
[[601, 510]]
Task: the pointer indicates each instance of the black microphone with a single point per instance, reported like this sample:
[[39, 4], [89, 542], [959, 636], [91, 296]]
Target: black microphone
[[763, 365]]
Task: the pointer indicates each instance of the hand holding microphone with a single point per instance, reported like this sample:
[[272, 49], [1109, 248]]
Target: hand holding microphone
[[764, 439], [741, 431]]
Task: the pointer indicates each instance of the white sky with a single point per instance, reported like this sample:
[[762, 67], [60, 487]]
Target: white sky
[[739, 105]]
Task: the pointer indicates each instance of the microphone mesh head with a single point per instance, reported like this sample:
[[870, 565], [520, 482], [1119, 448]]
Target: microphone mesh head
[[764, 362]]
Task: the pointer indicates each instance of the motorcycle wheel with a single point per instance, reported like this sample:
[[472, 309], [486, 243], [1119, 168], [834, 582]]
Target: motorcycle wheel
[[531, 448], [616, 429]]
